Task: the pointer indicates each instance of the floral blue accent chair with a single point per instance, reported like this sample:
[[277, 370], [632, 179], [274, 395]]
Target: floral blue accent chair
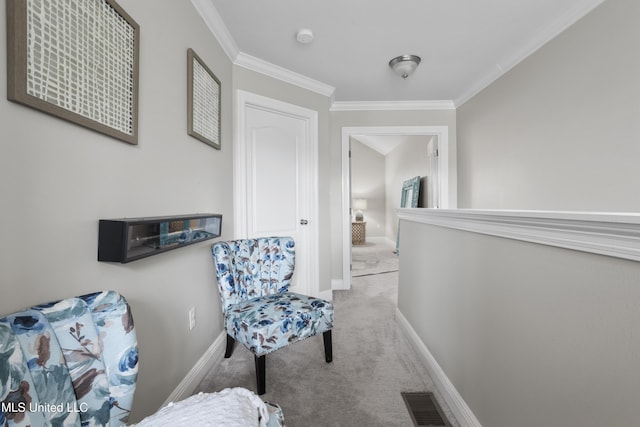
[[72, 362], [253, 277]]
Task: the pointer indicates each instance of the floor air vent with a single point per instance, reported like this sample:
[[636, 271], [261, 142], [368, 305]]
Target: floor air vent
[[424, 409]]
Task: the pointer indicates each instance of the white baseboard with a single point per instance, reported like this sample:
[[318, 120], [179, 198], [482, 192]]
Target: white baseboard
[[338, 285], [188, 385], [456, 403]]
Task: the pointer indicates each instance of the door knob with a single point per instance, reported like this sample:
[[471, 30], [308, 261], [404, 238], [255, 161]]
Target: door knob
[[304, 222]]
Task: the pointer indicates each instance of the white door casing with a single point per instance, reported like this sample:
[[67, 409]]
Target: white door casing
[[433, 177], [275, 179], [440, 133]]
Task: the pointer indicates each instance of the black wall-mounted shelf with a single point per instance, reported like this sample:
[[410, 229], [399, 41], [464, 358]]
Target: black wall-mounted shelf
[[129, 239]]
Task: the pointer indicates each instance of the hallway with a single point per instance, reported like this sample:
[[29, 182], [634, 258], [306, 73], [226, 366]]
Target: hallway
[[372, 363]]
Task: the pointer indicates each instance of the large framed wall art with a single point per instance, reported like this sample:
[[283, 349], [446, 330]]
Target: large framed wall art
[[77, 60], [203, 101]]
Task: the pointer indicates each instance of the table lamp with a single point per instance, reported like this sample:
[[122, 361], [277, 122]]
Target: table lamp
[[359, 205]]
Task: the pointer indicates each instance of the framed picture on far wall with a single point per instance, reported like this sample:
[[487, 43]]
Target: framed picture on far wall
[[203, 101], [408, 199]]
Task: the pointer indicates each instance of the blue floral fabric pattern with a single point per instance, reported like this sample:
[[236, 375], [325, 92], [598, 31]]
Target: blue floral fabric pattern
[[48, 380], [72, 363], [78, 338], [16, 383], [68, 363], [276, 416], [268, 323], [117, 338], [253, 268], [253, 277]]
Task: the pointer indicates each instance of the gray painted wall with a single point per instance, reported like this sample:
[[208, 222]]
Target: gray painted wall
[[58, 179], [379, 179], [530, 334], [407, 160], [560, 130], [368, 182]]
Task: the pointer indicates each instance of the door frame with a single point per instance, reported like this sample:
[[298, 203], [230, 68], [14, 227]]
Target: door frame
[[241, 163], [441, 132]]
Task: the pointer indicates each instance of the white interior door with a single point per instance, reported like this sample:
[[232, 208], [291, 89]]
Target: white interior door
[[278, 169]]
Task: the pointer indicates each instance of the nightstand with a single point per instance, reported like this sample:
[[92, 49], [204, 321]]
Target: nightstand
[[358, 232]]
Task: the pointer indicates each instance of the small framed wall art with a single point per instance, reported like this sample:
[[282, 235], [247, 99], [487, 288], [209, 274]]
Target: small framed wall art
[[203, 101], [408, 199], [410, 193], [77, 61]]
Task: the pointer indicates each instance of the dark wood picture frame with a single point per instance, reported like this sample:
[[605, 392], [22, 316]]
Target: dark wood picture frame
[[203, 101], [68, 76]]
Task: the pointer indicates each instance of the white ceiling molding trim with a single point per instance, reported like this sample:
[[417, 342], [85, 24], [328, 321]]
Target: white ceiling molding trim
[[216, 25], [546, 35], [612, 234], [288, 76], [392, 105]]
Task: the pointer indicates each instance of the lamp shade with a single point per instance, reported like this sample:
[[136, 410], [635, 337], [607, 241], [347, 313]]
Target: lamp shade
[[360, 204]]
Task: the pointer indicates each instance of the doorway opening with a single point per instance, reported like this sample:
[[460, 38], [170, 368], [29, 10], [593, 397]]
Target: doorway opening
[[435, 139]]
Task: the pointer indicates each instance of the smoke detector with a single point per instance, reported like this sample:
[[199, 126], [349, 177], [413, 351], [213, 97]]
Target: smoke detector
[[304, 36]]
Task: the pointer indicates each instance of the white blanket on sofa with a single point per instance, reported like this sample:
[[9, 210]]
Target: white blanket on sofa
[[231, 407]]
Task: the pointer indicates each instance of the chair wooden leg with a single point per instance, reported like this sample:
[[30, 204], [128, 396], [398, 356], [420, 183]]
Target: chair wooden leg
[[260, 374], [231, 342], [328, 348]]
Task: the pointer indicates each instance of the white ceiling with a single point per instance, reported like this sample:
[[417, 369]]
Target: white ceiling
[[464, 44]]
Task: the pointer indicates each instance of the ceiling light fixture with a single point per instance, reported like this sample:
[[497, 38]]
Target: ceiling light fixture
[[304, 36], [404, 65]]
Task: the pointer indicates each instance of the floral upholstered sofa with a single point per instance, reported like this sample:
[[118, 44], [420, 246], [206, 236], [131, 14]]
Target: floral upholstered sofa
[[74, 362]]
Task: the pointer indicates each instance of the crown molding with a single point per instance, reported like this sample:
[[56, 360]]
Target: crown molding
[[260, 66], [392, 105], [216, 25], [546, 35], [612, 234]]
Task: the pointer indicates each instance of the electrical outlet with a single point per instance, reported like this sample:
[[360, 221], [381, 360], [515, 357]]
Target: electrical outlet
[[192, 318]]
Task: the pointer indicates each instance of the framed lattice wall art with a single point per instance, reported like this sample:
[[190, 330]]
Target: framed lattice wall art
[[203, 101], [77, 60]]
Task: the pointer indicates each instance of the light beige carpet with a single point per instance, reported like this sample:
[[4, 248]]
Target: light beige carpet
[[372, 364], [373, 258]]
